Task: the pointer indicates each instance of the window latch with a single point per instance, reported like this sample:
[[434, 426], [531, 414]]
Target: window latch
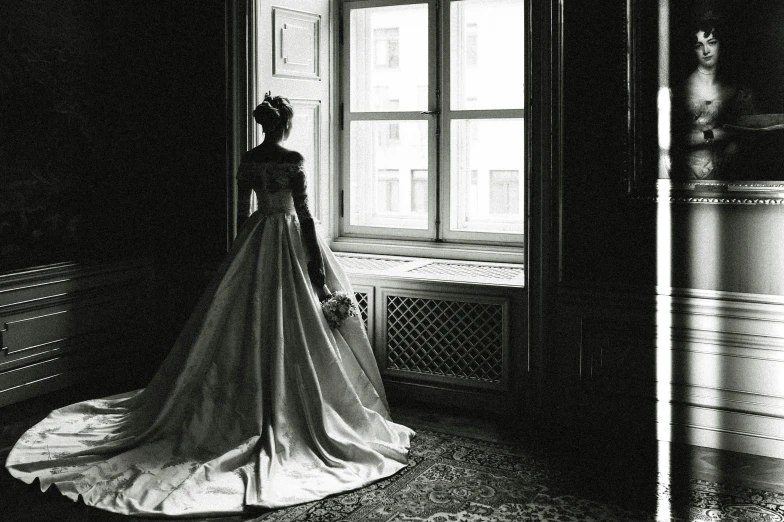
[[430, 112]]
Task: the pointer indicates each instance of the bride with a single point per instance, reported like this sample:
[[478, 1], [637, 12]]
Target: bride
[[259, 403]]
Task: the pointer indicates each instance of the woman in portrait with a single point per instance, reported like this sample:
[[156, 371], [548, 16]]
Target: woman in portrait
[[709, 99], [262, 402]]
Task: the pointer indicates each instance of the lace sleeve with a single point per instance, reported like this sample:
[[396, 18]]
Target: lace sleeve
[[309, 239], [299, 192]]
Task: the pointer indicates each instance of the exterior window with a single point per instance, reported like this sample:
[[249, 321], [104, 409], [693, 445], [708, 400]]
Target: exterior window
[[419, 191], [504, 191], [472, 45], [394, 132], [387, 45], [404, 113], [388, 190]]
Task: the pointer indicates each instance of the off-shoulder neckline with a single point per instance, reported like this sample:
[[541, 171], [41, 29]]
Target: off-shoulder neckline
[[274, 163]]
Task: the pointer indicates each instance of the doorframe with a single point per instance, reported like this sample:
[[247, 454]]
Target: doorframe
[[542, 234], [240, 93]]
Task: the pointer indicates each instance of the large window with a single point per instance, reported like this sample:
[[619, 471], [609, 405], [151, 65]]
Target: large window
[[433, 131]]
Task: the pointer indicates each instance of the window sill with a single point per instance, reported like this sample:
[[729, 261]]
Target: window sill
[[492, 254], [507, 275]]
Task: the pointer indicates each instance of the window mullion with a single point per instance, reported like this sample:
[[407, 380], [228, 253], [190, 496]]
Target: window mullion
[[439, 32]]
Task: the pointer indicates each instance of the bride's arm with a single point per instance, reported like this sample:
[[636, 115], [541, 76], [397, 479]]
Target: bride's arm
[[309, 237]]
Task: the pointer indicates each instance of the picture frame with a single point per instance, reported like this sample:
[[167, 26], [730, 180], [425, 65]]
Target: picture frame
[[705, 86]]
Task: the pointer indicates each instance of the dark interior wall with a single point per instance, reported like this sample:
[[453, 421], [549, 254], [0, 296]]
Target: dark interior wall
[[608, 239], [112, 131]]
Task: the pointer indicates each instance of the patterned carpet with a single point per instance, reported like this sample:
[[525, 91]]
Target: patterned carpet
[[458, 479]]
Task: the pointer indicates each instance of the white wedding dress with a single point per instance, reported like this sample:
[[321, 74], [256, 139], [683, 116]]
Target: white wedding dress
[[258, 404]]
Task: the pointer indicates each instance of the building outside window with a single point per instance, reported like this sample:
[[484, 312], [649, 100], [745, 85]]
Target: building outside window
[[504, 192], [472, 45], [418, 191], [388, 190]]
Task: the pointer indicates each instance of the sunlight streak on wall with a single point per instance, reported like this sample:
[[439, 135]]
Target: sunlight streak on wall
[[663, 272]]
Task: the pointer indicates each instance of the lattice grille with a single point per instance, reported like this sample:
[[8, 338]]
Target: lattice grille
[[362, 301], [468, 271], [450, 338], [369, 263]]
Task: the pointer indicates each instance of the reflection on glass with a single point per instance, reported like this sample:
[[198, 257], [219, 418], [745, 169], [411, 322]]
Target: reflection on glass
[[388, 56], [487, 54], [389, 182], [487, 176]]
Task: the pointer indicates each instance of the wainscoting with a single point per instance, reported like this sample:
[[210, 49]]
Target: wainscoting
[[707, 366], [70, 323], [445, 332]]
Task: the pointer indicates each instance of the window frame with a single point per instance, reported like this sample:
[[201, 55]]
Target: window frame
[[437, 239], [346, 117]]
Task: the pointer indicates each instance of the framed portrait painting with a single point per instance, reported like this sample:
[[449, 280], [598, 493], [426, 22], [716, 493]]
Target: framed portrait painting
[[706, 100]]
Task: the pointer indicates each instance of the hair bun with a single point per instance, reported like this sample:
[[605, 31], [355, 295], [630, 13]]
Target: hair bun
[[266, 115], [274, 114]]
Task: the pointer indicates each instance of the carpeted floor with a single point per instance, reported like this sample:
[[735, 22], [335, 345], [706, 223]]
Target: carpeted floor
[[453, 478], [457, 478]]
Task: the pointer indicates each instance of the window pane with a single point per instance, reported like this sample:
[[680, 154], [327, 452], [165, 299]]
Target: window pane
[[389, 60], [389, 173], [487, 176], [487, 54]]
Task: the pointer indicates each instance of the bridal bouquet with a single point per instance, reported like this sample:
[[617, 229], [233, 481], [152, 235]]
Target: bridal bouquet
[[338, 308]]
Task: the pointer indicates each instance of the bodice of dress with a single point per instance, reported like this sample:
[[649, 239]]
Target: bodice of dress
[[706, 113], [279, 188]]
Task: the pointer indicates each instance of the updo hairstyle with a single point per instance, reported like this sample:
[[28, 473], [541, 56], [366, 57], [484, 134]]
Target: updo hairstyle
[[274, 115]]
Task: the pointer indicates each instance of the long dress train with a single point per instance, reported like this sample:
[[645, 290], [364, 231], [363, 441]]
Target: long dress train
[[259, 402]]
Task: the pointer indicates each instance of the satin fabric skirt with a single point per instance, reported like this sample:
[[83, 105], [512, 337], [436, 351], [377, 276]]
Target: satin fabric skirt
[[259, 402]]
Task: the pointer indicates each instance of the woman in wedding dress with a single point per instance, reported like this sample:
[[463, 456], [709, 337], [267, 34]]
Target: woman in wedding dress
[[259, 404]]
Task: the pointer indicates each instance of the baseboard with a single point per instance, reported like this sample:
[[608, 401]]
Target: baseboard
[[725, 430], [460, 399]]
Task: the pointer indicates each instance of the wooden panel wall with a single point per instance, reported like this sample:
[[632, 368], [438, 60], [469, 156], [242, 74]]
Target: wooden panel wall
[[712, 361], [63, 323]]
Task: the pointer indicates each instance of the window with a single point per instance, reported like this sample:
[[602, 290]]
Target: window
[[504, 192], [388, 190], [394, 132], [403, 112], [472, 45], [387, 46], [419, 191]]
